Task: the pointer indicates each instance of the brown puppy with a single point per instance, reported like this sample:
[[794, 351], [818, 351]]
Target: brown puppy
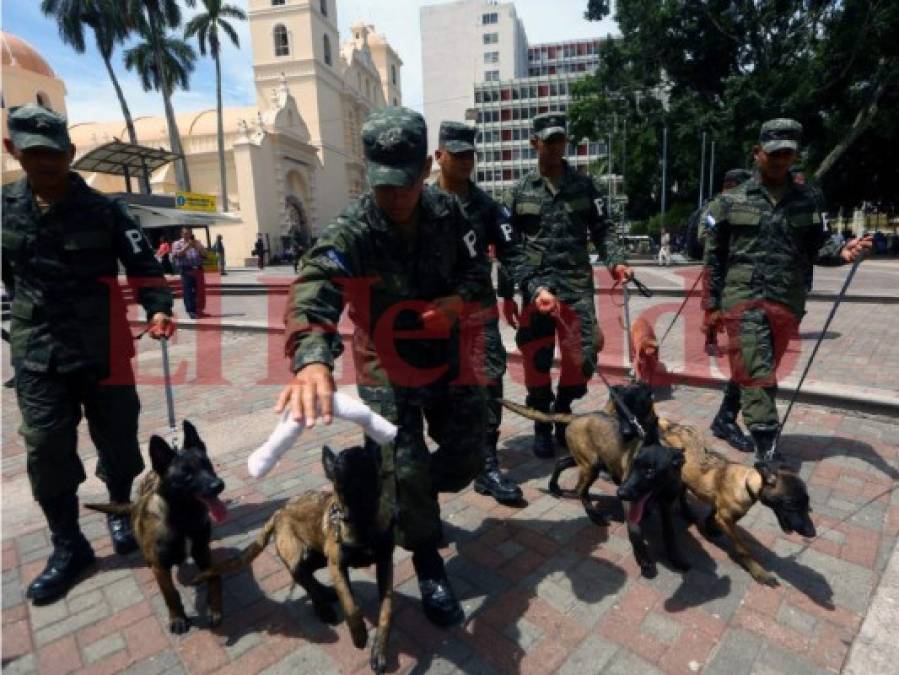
[[731, 489], [339, 530], [175, 503], [645, 350]]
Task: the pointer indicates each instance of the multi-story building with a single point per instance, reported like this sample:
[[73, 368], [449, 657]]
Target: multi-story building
[[462, 43], [503, 112]]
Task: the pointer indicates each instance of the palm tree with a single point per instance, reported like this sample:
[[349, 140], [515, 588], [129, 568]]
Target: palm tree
[[110, 26], [152, 18], [206, 27]]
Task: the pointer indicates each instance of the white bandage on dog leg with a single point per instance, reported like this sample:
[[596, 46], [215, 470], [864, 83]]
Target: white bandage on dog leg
[[376, 427], [261, 461], [264, 458]]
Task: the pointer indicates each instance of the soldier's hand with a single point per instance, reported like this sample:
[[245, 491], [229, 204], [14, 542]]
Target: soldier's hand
[[622, 273], [856, 247], [161, 325], [712, 319], [309, 395], [510, 312], [442, 313], [546, 302]]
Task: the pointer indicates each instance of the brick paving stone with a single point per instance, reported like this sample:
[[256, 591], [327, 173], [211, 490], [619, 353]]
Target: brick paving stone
[[306, 659], [734, 654], [103, 647]]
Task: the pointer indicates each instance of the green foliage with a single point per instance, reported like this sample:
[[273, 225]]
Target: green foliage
[[675, 220], [725, 67], [178, 60]]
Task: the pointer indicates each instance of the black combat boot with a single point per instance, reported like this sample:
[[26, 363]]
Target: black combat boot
[[119, 525], [764, 436], [543, 440], [725, 426], [491, 481], [72, 554], [437, 597]]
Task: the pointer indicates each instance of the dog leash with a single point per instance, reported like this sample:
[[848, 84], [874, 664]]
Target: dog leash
[[631, 418], [680, 309], [167, 378], [626, 304], [808, 364]]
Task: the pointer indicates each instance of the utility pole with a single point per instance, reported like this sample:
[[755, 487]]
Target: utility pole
[[702, 170], [712, 170], [609, 167], [665, 171], [623, 166]]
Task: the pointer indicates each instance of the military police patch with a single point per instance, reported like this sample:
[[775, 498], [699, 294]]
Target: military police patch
[[338, 260]]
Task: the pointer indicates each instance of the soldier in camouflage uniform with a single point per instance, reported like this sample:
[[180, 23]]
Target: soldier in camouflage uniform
[[762, 238], [725, 425], [71, 345], [407, 263], [555, 210], [491, 224]]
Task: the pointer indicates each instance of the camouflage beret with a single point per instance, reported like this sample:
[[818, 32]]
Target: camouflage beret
[[34, 126], [395, 142], [457, 137], [780, 134], [549, 124]]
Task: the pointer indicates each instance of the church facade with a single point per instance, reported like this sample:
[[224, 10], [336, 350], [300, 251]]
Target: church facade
[[294, 159]]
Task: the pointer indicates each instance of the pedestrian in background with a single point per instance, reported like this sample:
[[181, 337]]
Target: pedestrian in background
[[219, 248], [665, 248], [259, 252], [189, 254]]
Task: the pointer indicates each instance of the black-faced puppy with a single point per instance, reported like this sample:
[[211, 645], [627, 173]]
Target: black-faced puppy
[[653, 478], [731, 489], [343, 529], [173, 510]]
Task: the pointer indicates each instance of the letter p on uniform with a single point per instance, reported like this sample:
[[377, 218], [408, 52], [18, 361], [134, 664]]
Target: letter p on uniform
[[470, 239], [135, 237]]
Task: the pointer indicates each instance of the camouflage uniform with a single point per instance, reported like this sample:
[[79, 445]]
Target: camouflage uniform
[[403, 373], [554, 223], [758, 255], [69, 331], [490, 222]]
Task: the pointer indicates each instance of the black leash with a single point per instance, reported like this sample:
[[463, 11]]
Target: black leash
[[169, 394], [808, 365], [631, 418], [680, 309]]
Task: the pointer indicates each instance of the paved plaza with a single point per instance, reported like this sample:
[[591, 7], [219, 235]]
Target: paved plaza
[[544, 589]]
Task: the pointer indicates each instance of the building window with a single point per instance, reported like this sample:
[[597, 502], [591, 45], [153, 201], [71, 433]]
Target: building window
[[327, 43], [491, 57], [395, 101], [393, 73], [491, 76], [278, 2], [487, 19], [43, 100], [324, 6], [282, 46], [491, 38]]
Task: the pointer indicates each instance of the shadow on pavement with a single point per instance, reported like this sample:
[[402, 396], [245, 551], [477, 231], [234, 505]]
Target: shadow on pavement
[[809, 448]]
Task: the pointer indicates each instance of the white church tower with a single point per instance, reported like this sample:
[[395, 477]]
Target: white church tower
[[334, 88]]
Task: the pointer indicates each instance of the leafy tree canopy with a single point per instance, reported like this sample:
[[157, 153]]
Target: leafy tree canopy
[[725, 66]]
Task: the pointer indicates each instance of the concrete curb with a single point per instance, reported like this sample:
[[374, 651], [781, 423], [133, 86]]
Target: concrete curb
[[875, 647], [848, 397]]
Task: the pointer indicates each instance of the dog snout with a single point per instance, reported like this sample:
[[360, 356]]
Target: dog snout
[[807, 528], [217, 486], [626, 493]]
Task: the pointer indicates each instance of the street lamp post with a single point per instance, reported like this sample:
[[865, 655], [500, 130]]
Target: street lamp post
[[702, 170], [664, 171]]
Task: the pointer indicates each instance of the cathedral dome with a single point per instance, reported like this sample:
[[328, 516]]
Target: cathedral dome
[[20, 54]]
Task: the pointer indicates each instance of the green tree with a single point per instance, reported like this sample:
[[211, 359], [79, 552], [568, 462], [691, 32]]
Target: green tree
[[723, 67], [206, 27], [109, 24], [152, 18]]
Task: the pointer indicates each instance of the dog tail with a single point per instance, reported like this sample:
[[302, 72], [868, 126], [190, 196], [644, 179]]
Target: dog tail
[[246, 557], [536, 415], [122, 509]]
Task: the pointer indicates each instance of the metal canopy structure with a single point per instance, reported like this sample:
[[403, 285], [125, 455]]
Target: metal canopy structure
[[124, 159]]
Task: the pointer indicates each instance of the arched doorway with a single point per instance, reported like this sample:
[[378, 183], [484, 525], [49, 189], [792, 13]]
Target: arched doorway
[[297, 224]]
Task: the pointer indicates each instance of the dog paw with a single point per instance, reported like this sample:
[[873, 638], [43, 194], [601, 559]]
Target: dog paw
[[179, 625], [766, 578], [649, 570], [327, 613], [378, 661], [215, 618], [357, 631]]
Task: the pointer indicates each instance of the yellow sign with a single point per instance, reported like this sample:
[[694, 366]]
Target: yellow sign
[[195, 201]]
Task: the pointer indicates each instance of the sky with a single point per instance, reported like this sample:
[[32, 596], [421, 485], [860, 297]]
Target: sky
[[90, 96]]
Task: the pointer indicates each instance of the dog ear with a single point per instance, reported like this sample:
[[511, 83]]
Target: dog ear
[[768, 472], [161, 454], [192, 437], [328, 461]]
